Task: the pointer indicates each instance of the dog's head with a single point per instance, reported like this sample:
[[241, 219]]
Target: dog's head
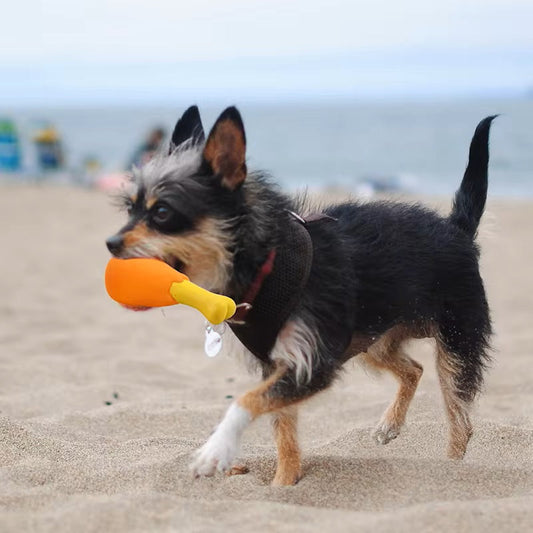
[[183, 203]]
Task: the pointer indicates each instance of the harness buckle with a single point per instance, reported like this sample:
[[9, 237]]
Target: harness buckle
[[245, 307]]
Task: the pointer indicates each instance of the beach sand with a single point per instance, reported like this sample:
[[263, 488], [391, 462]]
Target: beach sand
[[101, 408]]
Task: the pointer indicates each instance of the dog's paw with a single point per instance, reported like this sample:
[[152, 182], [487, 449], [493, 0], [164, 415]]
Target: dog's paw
[[217, 454], [385, 432], [286, 478]]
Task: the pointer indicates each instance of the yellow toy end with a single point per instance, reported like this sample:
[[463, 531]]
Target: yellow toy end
[[215, 307]]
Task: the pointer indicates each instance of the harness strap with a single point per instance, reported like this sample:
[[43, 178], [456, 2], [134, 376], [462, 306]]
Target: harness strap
[[277, 287], [255, 287]]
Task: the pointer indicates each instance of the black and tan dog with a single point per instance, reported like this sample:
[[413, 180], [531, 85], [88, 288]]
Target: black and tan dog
[[354, 279]]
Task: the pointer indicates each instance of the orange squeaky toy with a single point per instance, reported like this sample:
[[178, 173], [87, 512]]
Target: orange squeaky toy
[[144, 282]]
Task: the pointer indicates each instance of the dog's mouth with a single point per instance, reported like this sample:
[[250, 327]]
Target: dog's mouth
[[170, 260], [175, 263]]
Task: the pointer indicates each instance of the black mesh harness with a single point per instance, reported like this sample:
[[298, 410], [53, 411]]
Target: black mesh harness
[[278, 288]]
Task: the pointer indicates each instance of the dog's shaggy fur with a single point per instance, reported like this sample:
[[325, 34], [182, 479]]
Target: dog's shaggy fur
[[381, 273]]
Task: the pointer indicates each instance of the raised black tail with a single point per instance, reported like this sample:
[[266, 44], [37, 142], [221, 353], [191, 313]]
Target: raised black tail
[[469, 201]]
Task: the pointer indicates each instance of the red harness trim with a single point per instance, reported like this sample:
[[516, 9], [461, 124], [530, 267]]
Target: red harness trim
[[255, 287]]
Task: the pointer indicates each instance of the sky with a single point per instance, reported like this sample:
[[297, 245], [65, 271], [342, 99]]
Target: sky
[[59, 52]]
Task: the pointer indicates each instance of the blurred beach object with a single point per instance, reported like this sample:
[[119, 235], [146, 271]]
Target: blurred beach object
[[88, 172], [148, 148], [48, 146], [369, 186], [10, 153], [111, 181]]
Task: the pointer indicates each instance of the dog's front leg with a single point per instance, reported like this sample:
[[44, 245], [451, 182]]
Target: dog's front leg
[[289, 469], [219, 452]]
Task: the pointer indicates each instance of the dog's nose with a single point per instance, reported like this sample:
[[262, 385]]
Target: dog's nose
[[115, 243]]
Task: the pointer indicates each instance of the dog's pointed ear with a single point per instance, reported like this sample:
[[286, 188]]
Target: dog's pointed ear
[[225, 149], [189, 126]]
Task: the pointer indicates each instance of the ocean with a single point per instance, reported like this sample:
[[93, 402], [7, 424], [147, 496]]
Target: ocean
[[415, 146]]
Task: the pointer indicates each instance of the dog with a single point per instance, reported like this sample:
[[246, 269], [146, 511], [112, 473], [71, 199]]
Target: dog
[[316, 289]]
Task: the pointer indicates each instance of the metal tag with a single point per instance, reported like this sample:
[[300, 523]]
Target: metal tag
[[213, 339]]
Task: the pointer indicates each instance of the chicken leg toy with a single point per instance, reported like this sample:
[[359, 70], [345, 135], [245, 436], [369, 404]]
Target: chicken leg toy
[[144, 282]]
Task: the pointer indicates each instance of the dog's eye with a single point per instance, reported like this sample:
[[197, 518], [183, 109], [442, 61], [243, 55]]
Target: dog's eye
[[161, 214], [166, 219]]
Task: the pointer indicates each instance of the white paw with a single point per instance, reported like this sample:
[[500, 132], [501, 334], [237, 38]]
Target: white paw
[[384, 433], [217, 454]]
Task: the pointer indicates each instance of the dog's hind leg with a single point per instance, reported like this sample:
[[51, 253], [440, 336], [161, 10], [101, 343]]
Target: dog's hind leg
[[387, 354], [288, 470], [462, 336], [462, 345], [457, 407]]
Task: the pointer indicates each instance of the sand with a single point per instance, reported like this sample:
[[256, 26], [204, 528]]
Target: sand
[[101, 408]]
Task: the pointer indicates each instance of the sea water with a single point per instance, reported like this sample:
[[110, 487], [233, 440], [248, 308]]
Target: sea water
[[416, 146]]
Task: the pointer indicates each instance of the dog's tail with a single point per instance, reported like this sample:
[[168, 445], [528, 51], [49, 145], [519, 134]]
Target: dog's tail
[[469, 201]]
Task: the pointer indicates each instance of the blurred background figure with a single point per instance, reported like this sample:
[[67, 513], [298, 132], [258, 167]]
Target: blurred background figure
[[48, 148], [89, 170], [115, 179], [10, 154], [148, 148]]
